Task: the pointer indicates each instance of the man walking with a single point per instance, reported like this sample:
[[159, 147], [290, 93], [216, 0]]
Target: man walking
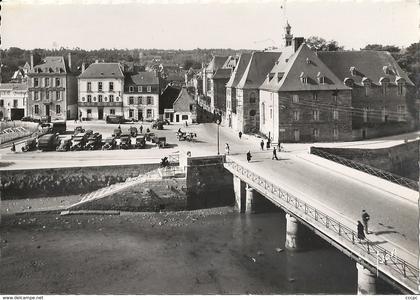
[[240, 134], [141, 128], [227, 148], [275, 154], [268, 144], [365, 219], [262, 144], [248, 156]]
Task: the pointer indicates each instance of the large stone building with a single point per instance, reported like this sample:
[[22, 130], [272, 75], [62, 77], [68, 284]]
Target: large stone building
[[101, 88], [52, 89], [13, 100], [141, 96]]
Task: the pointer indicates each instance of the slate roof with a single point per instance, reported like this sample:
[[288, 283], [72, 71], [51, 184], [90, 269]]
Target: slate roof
[[287, 72], [103, 70], [13, 86], [239, 70], [52, 63], [222, 74], [367, 63], [258, 67], [168, 97], [216, 63], [183, 101], [142, 78]]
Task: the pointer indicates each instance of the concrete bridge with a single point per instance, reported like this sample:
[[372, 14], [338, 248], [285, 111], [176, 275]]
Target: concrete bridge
[[376, 256]]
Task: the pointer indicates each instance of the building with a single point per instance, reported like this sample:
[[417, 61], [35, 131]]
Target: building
[[141, 96], [216, 63], [383, 97], [21, 74], [52, 89], [101, 88], [13, 101], [167, 100], [301, 100], [184, 108], [247, 90]]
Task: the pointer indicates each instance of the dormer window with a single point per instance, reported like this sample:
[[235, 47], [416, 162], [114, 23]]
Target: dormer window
[[279, 76], [131, 89], [321, 79], [384, 81], [366, 83], [270, 76], [353, 71], [401, 84], [303, 78], [348, 82], [308, 61]]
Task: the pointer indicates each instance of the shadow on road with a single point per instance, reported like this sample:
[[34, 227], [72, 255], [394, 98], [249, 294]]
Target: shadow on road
[[385, 232]]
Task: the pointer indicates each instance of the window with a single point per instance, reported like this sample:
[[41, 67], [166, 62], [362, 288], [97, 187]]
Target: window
[[36, 95], [184, 117], [271, 113], [322, 80], [89, 98], [131, 89], [99, 98], [263, 112], [296, 135], [365, 114], [304, 79], [15, 103], [295, 98], [112, 111], [149, 114], [149, 88], [149, 100], [58, 95], [400, 89], [315, 132], [89, 86], [384, 88], [140, 89], [335, 114], [89, 111], [100, 86], [47, 95], [131, 113], [1, 103], [315, 115], [47, 82], [94, 99], [252, 113], [111, 86], [366, 91], [131, 100], [401, 112], [140, 100], [252, 98], [335, 96], [315, 95], [335, 133], [83, 99], [57, 82], [36, 82], [111, 98], [296, 115], [384, 115], [58, 109], [117, 99], [36, 107]]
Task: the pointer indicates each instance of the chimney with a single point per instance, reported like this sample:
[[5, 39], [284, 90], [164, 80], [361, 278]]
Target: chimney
[[83, 67], [296, 42], [32, 62], [69, 59]]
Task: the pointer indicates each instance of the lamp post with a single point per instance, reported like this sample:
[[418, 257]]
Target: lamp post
[[218, 126]]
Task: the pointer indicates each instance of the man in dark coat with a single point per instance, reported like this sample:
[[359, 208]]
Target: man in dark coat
[[262, 144], [275, 154], [248, 156], [360, 231], [365, 219], [240, 134]]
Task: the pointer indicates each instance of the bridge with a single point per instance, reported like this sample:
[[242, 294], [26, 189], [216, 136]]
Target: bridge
[[329, 199]]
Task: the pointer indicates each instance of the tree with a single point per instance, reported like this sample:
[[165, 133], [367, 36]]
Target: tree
[[320, 44], [378, 47]]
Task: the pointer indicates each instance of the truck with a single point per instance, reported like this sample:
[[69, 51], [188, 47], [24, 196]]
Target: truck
[[59, 127], [48, 142]]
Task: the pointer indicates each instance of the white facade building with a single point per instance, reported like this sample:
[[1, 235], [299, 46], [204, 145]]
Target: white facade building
[[13, 101]]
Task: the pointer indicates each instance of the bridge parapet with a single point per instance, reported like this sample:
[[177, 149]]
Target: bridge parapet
[[369, 252]]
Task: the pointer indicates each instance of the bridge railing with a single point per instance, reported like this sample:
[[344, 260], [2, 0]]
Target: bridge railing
[[367, 169], [368, 247]]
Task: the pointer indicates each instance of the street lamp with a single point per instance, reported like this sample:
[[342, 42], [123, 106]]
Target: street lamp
[[218, 126]]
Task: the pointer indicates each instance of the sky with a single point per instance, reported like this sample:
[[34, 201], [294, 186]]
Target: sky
[[190, 24]]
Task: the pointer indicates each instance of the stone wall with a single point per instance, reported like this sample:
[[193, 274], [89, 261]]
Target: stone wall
[[401, 159], [209, 184], [17, 184]]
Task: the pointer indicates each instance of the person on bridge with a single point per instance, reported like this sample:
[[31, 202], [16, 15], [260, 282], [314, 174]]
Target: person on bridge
[[248, 156], [268, 144], [365, 219], [141, 128], [360, 231], [227, 148], [275, 154], [240, 134], [13, 147], [262, 144]]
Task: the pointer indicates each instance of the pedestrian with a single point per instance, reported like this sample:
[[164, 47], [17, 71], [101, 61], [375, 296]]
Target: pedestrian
[[141, 128], [365, 219], [147, 130], [360, 231], [186, 123], [13, 147], [248, 156], [262, 144], [275, 154], [227, 148], [240, 134], [268, 144], [119, 127]]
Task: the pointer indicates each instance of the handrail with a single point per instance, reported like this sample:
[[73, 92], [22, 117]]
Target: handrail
[[397, 264], [367, 169]]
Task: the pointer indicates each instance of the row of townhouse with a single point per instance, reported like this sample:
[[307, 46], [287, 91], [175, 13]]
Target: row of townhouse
[[300, 95]]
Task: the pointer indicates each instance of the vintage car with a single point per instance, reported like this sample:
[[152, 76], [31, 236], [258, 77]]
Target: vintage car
[[78, 142], [109, 143], [186, 136], [65, 144], [94, 142], [157, 125], [78, 129], [125, 141], [149, 136], [133, 131], [113, 119], [59, 127], [48, 142], [30, 145], [160, 141], [140, 142], [89, 132]]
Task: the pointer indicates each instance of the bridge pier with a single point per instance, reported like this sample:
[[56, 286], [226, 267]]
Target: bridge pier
[[249, 199], [292, 231], [366, 281], [239, 190]]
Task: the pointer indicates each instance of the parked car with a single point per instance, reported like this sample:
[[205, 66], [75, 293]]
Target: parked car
[[59, 127], [160, 141], [27, 119], [113, 119], [30, 145], [94, 142], [78, 142], [125, 141], [65, 144], [149, 136], [140, 142], [89, 132], [133, 131], [166, 122], [78, 130], [109, 143], [48, 142], [157, 125]]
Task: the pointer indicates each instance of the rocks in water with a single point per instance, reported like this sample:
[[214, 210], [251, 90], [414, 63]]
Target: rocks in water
[[278, 250]]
